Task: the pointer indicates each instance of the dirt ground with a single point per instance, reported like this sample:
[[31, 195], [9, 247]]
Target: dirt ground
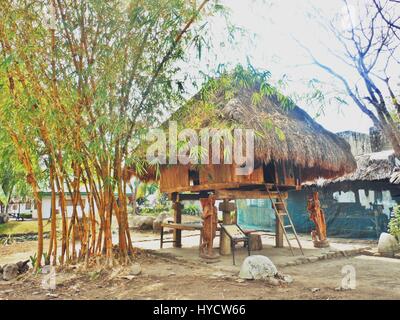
[[165, 277], [173, 273]]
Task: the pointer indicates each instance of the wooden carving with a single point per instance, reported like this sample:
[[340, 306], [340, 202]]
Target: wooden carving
[[210, 221], [318, 217]]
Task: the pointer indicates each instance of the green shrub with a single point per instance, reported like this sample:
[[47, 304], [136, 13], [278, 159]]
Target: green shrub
[[155, 211], [191, 210], [26, 215], [394, 223]]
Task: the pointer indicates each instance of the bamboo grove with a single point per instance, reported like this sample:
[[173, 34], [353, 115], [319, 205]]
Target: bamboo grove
[[80, 80]]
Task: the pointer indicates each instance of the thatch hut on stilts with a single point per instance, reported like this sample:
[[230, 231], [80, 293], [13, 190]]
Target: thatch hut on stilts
[[289, 148]]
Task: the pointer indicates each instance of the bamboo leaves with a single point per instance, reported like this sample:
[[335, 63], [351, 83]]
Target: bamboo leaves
[[78, 93]]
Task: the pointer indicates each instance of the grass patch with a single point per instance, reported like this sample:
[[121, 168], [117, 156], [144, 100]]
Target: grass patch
[[22, 227]]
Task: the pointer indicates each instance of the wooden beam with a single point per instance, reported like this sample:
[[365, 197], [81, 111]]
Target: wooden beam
[[244, 194]]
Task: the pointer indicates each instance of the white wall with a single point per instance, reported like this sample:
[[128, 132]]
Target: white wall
[[46, 207], [21, 208]]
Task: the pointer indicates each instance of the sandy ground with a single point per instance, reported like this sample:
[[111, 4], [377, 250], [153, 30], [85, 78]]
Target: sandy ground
[[180, 274]]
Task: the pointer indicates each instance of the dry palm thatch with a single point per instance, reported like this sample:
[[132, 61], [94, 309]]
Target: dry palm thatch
[[282, 132], [370, 167]]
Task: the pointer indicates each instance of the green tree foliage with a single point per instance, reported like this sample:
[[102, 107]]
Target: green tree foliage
[[81, 80], [12, 174], [394, 223]]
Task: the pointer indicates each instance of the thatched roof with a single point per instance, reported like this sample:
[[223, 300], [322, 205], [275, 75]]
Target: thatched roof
[[375, 166], [283, 131], [281, 134]]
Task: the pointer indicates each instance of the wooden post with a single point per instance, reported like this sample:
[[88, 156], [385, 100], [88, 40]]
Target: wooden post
[[279, 230], [177, 235], [225, 243], [278, 235]]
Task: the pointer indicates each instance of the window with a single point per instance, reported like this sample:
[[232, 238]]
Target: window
[[194, 177]]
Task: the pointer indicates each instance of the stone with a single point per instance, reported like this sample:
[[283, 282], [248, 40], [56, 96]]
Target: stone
[[273, 281], [4, 218], [10, 271], [313, 290], [141, 222], [287, 279], [313, 259], [135, 270], [22, 266], [283, 278], [387, 244], [7, 291], [341, 288], [160, 219], [257, 267]]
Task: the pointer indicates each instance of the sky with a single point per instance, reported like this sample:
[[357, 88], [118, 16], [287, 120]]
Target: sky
[[274, 30]]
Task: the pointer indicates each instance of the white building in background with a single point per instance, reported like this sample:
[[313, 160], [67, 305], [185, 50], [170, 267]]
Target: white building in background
[[21, 207], [46, 205]]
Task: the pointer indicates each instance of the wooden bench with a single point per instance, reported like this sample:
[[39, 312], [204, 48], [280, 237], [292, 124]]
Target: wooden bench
[[178, 226], [182, 226]]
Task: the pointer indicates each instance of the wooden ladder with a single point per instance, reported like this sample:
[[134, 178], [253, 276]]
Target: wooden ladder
[[281, 212]]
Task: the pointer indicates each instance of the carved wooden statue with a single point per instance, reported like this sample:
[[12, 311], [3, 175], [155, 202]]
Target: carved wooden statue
[[210, 222], [318, 217]]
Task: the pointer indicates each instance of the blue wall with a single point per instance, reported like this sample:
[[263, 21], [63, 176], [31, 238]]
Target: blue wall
[[364, 215]]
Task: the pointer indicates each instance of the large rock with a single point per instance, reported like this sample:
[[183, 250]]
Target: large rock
[[136, 269], [387, 244], [160, 219], [257, 267], [142, 222], [10, 271]]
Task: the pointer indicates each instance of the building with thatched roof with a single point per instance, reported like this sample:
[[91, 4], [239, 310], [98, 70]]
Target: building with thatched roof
[[371, 167], [357, 204], [289, 146]]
